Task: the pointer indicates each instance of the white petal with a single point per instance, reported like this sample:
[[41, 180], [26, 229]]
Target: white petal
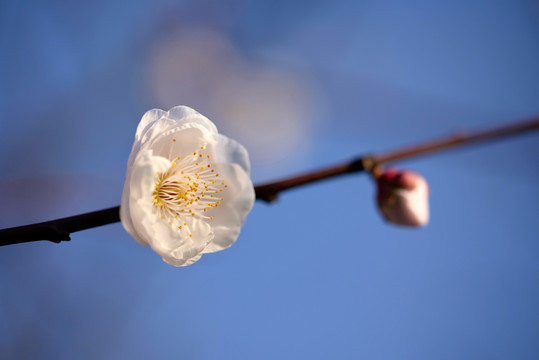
[[143, 215], [143, 173], [148, 118], [149, 125], [189, 252], [140, 174], [231, 151], [164, 239], [125, 214], [183, 114], [182, 262], [230, 215], [159, 122], [180, 141], [144, 163]]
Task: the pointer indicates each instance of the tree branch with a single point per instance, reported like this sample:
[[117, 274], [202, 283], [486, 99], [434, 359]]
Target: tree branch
[[269, 191], [59, 230]]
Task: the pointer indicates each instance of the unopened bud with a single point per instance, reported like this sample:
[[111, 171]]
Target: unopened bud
[[403, 197]]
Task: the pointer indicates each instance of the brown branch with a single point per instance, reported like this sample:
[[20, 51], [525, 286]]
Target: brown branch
[[459, 139], [268, 192], [59, 230]]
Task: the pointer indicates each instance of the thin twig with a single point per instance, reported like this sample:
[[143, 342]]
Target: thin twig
[[59, 230], [268, 192]]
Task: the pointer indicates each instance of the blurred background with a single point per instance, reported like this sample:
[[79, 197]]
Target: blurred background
[[301, 84]]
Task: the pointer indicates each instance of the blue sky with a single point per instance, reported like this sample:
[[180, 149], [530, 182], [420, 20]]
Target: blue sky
[[318, 274]]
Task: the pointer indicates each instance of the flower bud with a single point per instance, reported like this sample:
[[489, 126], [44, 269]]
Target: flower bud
[[403, 197]]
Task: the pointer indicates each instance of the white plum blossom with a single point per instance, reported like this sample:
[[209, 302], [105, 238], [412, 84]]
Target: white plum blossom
[[403, 197], [187, 190]]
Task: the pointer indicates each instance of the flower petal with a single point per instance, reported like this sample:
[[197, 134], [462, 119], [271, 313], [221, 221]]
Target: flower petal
[[180, 141], [231, 151], [156, 122], [147, 120], [140, 176], [175, 248], [228, 218], [183, 114], [192, 249]]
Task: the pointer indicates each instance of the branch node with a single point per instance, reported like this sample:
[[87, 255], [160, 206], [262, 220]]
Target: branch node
[[56, 235], [368, 163], [269, 198]]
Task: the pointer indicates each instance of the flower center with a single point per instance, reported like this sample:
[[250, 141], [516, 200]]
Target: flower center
[[190, 187], [169, 191]]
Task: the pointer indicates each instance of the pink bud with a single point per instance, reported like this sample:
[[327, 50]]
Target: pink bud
[[403, 197]]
